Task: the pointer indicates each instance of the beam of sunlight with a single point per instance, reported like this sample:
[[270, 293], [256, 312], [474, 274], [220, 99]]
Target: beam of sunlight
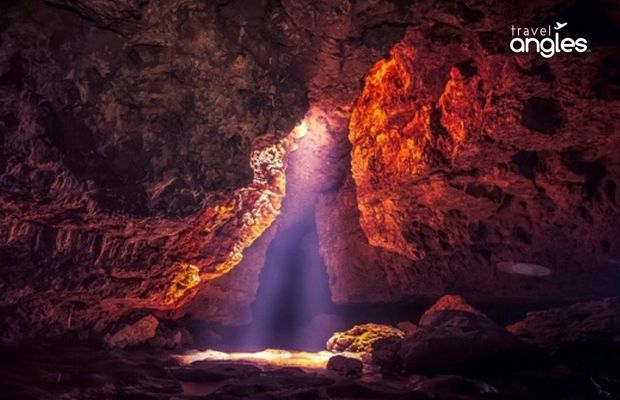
[[293, 300]]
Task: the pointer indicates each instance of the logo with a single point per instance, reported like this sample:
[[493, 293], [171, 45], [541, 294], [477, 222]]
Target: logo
[[545, 41]]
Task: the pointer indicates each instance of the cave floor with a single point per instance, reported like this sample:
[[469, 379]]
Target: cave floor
[[88, 372]]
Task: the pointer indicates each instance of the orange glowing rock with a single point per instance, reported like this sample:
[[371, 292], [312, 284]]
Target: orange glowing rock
[[390, 134], [223, 231], [185, 280], [401, 130]]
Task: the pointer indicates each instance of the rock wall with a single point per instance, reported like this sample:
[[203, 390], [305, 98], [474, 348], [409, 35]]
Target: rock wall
[[143, 148], [466, 157], [146, 148]]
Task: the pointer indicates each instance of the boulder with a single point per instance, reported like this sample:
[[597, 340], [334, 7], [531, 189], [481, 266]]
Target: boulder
[[455, 337], [168, 338], [448, 305], [590, 321], [452, 337], [134, 334], [452, 349], [385, 354], [360, 338], [345, 366]]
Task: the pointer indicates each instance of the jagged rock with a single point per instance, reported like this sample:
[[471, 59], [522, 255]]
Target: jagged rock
[[132, 151], [464, 158], [595, 321], [143, 155], [361, 338], [134, 334], [452, 337], [459, 340], [345, 366]]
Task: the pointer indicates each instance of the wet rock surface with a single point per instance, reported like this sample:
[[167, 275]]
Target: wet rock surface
[[67, 371]]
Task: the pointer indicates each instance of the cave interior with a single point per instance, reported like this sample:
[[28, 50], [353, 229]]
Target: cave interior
[[309, 199]]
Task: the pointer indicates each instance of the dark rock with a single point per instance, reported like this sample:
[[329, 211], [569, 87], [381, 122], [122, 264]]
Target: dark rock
[[209, 371], [408, 327], [265, 385], [461, 348], [593, 321], [453, 337], [606, 82], [453, 387], [447, 309], [345, 366], [286, 371], [385, 354], [543, 115], [358, 390]]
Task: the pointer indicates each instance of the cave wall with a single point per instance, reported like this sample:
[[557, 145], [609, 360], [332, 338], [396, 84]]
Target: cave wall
[[466, 157], [133, 134], [144, 146], [148, 147], [332, 45]]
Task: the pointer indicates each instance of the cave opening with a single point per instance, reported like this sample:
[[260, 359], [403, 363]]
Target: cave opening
[[293, 307]]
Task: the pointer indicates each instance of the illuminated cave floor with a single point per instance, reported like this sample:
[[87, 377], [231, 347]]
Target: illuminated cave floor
[[268, 358], [63, 371]]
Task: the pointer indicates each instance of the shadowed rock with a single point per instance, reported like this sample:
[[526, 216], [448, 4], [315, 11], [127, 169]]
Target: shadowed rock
[[589, 322]]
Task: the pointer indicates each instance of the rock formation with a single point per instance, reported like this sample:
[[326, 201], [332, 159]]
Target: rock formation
[[452, 337], [595, 321], [463, 161], [360, 338], [150, 151]]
